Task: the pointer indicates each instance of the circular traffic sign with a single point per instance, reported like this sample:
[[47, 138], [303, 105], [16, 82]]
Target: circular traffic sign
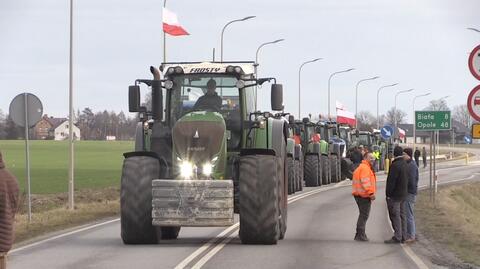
[[474, 62], [29, 103], [473, 103], [386, 132]]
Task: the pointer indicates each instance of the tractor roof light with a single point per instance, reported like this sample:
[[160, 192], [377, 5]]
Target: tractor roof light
[[238, 69], [170, 71], [178, 70], [186, 170], [230, 69]]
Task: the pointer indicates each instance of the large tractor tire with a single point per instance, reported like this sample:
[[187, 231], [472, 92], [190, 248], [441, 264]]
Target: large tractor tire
[[259, 197], [325, 167], [169, 233], [298, 175], [136, 199], [311, 170], [291, 175], [334, 168]]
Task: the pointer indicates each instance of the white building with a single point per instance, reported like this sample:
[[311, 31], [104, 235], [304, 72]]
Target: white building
[[62, 131]]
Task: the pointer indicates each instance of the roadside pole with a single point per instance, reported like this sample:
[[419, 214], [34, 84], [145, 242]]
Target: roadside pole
[[27, 159], [431, 167], [435, 168]]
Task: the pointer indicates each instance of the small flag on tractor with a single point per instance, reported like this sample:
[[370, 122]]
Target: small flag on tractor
[[171, 25]]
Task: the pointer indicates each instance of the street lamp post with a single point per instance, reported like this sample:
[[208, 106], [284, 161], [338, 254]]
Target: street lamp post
[[356, 96], [329, 82], [223, 31], [299, 84], [473, 29], [257, 64], [395, 107], [71, 164], [378, 94], [415, 126]]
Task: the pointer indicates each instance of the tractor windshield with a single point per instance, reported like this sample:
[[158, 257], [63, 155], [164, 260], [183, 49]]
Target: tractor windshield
[[200, 92], [364, 139], [209, 92]]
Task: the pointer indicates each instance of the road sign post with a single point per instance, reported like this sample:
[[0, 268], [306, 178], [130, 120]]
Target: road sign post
[[26, 110], [433, 121]]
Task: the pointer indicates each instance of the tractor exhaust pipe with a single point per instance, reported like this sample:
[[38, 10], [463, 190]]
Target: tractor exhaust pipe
[[157, 98], [155, 73]]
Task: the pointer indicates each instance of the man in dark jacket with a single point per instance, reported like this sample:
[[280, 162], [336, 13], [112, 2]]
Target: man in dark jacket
[[210, 100], [396, 192], [411, 196], [416, 155], [424, 157], [8, 208]]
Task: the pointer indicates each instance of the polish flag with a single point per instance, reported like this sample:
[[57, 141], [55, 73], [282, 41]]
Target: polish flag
[[345, 117], [171, 25], [401, 133]]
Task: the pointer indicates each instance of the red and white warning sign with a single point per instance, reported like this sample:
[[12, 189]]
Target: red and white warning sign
[[473, 103], [474, 62]]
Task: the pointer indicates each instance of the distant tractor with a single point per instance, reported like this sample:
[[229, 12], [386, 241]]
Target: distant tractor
[[294, 157], [202, 154]]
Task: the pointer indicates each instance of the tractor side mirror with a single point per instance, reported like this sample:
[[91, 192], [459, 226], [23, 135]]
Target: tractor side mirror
[[306, 120], [134, 98], [277, 97], [357, 133], [157, 100], [291, 119]]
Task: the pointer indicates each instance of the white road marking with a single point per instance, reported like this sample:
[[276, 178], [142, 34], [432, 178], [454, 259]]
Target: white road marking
[[64, 235], [209, 255], [207, 245]]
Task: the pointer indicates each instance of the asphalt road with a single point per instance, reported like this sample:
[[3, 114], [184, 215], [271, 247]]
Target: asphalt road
[[321, 226]]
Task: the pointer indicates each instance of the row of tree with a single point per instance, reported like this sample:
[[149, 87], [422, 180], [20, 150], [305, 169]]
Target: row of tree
[[93, 125], [99, 125], [367, 121]]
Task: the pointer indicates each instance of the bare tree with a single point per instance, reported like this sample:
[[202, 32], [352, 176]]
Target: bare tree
[[400, 115], [366, 121], [461, 114], [437, 105]]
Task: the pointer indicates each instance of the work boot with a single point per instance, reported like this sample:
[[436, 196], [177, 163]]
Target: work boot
[[361, 237], [392, 240]]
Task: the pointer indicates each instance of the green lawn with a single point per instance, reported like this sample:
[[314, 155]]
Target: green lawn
[[97, 163]]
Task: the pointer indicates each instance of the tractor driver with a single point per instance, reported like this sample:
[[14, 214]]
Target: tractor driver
[[210, 100]]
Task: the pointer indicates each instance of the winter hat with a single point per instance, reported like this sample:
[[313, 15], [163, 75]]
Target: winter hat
[[397, 151], [409, 151]]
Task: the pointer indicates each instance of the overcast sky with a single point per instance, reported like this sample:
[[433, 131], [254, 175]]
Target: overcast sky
[[420, 44]]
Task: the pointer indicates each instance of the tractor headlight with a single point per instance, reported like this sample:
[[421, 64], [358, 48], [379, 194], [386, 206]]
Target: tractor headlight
[[240, 84], [170, 70], [168, 84], [186, 170], [207, 169]]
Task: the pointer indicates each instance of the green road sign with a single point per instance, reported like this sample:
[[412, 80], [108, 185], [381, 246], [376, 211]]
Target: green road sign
[[433, 120]]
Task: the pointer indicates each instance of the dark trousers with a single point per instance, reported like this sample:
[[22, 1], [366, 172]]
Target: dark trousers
[[398, 216], [364, 205], [417, 161]]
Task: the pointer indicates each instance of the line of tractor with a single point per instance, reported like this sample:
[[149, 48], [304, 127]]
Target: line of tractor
[[203, 153]]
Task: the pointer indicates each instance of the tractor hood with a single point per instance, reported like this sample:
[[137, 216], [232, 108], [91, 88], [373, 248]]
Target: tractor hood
[[199, 136]]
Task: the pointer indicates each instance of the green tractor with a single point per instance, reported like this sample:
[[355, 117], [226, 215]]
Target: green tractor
[[312, 169], [202, 153], [294, 157]]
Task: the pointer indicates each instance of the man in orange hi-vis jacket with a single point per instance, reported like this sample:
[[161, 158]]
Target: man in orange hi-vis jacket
[[363, 190]]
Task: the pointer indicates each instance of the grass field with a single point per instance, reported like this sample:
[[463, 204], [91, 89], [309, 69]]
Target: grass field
[[454, 222], [98, 164]]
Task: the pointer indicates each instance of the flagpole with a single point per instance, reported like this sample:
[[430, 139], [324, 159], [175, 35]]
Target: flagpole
[[164, 38]]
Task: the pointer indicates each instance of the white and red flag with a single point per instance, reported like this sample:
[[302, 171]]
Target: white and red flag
[[344, 116], [171, 25]]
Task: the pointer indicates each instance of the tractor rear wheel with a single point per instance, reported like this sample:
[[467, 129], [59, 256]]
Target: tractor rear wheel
[[334, 168], [324, 163], [311, 170], [298, 175], [259, 199], [136, 200], [291, 175], [169, 233]]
